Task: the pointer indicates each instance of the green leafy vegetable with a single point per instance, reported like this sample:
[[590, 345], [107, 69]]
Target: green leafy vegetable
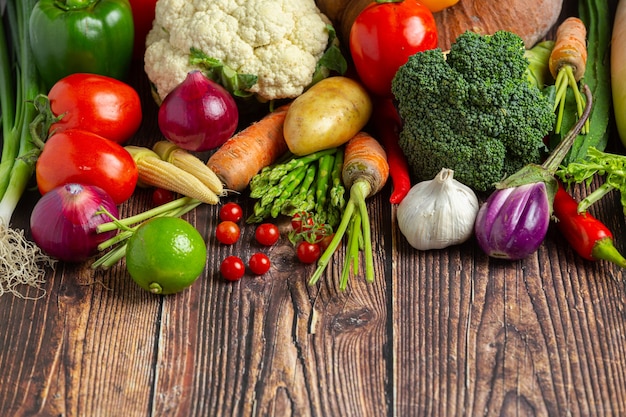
[[609, 165]]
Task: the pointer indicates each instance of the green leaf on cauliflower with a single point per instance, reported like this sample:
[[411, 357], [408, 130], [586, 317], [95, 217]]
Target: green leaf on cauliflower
[[237, 84], [332, 60]]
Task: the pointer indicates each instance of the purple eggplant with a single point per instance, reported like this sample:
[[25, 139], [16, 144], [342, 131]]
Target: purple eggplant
[[514, 220]]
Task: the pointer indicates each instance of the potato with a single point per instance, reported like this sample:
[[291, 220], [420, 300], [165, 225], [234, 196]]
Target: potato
[[327, 115]]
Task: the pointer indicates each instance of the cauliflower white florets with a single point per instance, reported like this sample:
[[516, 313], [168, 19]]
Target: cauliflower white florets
[[279, 41]]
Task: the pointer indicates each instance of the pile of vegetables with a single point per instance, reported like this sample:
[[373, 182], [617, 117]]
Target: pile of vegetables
[[445, 127]]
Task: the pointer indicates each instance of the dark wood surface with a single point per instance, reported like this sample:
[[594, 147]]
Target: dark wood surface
[[439, 333]]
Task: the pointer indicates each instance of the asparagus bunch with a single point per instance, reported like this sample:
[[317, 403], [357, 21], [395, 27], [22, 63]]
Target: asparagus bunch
[[310, 183]]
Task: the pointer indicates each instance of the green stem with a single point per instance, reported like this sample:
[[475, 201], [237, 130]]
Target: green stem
[[553, 161], [355, 209], [606, 250], [322, 263], [362, 191], [594, 196], [111, 258], [352, 252], [138, 218], [68, 5]]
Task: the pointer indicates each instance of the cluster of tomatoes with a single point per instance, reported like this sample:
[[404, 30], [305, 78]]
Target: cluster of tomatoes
[[228, 232], [309, 238]]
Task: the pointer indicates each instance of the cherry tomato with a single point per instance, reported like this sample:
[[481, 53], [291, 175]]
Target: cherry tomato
[[301, 222], [86, 158], [383, 37], [227, 232], [325, 242], [143, 15], [267, 234], [232, 268], [231, 211], [161, 196], [308, 252], [259, 263], [96, 103]]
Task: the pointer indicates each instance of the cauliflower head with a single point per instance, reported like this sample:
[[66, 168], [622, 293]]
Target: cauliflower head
[[278, 41]]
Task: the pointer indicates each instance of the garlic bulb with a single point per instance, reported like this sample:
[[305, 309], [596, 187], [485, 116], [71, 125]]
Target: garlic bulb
[[438, 213]]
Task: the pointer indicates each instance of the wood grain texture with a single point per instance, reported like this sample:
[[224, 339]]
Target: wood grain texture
[[439, 333]]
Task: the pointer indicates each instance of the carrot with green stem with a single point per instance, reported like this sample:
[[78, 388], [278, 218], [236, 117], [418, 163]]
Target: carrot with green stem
[[365, 172], [567, 64]]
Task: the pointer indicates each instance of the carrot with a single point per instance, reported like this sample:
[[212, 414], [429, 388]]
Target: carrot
[[567, 64], [250, 150], [365, 172]]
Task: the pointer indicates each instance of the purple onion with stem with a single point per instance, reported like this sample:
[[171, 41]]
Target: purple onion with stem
[[514, 220]]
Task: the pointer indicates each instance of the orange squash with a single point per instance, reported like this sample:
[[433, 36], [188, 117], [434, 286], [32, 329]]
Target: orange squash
[[530, 22]]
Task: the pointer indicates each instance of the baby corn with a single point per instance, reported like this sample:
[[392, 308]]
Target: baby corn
[[153, 171], [175, 155]]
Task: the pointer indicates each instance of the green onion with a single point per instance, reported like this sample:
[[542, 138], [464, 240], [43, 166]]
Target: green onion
[[21, 261]]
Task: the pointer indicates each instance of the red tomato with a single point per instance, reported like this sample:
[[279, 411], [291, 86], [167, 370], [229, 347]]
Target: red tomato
[[232, 268], [143, 15], [231, 211], [259, 263], [86, 158], [227, 232], [325, 242], [267, 234], [383, 37], [308, 252], [161, 196], [302, 222], [98, 104]]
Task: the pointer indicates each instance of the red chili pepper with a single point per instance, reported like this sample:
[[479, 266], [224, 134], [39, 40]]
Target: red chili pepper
[[387, 124], [587, 235]]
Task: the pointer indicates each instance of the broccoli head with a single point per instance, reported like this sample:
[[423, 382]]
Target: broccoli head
[[472, 110]]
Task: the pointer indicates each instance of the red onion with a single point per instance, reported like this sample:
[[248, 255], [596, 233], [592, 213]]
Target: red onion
[[199, 114], [64, 220]]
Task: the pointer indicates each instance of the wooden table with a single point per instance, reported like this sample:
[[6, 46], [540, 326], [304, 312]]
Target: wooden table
[[439, 333]]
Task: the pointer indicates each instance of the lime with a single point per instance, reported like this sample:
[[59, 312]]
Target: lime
[[165, 255]]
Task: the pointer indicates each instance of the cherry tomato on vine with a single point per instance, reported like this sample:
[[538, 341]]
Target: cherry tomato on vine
[[227, 232], [232, 268], [308, 252], [96, 103], [259, 263], [231, 211], [383, 37], [267, 234], [301, 222], [86, 158]]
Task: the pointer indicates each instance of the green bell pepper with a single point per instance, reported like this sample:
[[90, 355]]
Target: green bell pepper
[[70, 36]]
